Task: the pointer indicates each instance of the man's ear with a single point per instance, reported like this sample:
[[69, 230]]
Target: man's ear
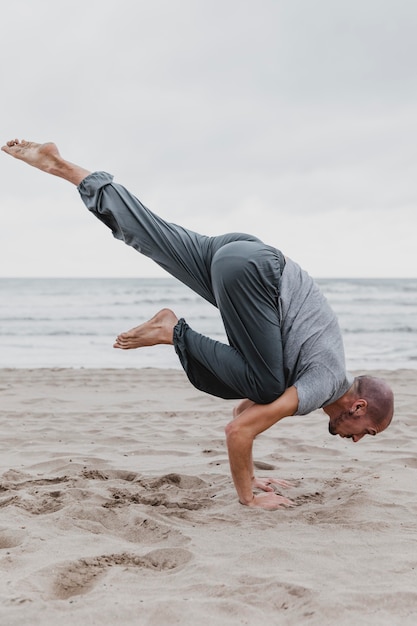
[[359, 407]]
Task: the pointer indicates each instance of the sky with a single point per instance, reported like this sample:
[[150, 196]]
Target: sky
[[292, 120]]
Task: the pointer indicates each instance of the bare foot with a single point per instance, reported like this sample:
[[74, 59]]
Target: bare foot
[[158, 330], [46, 157]]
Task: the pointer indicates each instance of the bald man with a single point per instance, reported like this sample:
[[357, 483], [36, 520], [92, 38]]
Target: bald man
[[285, 353]]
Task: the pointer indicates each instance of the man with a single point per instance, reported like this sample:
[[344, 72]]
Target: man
[[285, 354]]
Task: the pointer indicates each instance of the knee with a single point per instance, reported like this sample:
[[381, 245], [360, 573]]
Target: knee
[[232, 259]]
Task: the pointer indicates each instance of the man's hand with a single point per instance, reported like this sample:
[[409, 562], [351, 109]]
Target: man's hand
[[266, 484], [270, 502]]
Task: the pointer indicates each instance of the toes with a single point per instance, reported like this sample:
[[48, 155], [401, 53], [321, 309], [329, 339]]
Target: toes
[[121, 342], [17, 142], [13, 142]]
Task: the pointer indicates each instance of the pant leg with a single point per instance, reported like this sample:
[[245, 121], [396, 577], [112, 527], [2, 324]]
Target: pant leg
[[184, 254], [245, 289], [246, 278]]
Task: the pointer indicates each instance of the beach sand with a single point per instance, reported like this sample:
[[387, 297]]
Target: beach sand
[[117, 507]]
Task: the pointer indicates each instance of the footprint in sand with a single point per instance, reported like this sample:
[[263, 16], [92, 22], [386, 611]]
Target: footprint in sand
[[41, 503], [124, 523], [94, 474], [10, 538], [280, 594], [146, 531], [32, 495], [316, 498], [79, 577], [181, 481], [176, 492]]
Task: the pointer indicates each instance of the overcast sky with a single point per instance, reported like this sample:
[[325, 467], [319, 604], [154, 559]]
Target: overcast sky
[[295, 120]]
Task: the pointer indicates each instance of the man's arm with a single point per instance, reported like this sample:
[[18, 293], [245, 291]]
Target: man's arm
[[240, 434]]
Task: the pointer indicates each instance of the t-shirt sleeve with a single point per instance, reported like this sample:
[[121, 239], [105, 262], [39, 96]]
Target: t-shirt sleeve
[[315, 387]]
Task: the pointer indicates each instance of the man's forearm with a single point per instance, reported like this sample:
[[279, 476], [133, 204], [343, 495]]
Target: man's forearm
[[241, 432], [239, 446]]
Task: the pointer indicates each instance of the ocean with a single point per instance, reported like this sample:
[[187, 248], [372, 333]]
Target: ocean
[[72, 322]]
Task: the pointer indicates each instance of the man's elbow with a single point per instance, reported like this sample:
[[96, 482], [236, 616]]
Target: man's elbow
[[234, 431], [230, 428], [238, 435]]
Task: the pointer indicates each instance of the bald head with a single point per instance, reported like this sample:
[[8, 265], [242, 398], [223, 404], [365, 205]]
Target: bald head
[[379, 397]]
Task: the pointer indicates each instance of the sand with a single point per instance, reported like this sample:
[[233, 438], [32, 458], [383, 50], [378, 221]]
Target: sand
[[117, 507]]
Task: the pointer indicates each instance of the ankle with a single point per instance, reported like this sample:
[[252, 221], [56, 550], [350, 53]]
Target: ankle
[[68, 171], [57, 166]]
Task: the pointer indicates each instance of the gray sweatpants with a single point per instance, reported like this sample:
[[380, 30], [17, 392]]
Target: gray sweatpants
[[235, 272]]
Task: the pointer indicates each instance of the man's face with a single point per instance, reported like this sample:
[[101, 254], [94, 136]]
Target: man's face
[[352, 427]]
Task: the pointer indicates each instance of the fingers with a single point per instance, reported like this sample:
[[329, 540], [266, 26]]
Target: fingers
[[284, 502], [282, 483], [271, 502], [262, 483]]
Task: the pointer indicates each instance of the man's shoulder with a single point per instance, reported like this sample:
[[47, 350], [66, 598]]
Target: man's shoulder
[[319, 385]]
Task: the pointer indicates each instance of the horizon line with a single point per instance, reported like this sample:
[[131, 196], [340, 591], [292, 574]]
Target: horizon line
[[75, 277]]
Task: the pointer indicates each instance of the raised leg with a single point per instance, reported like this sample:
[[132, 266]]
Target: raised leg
[[183, 253], [235, 272]]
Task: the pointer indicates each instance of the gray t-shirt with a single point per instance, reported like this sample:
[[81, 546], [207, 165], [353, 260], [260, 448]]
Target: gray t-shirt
[[314, 357]]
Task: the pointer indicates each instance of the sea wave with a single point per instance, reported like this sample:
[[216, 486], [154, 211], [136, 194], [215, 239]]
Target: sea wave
[[72, 322]]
